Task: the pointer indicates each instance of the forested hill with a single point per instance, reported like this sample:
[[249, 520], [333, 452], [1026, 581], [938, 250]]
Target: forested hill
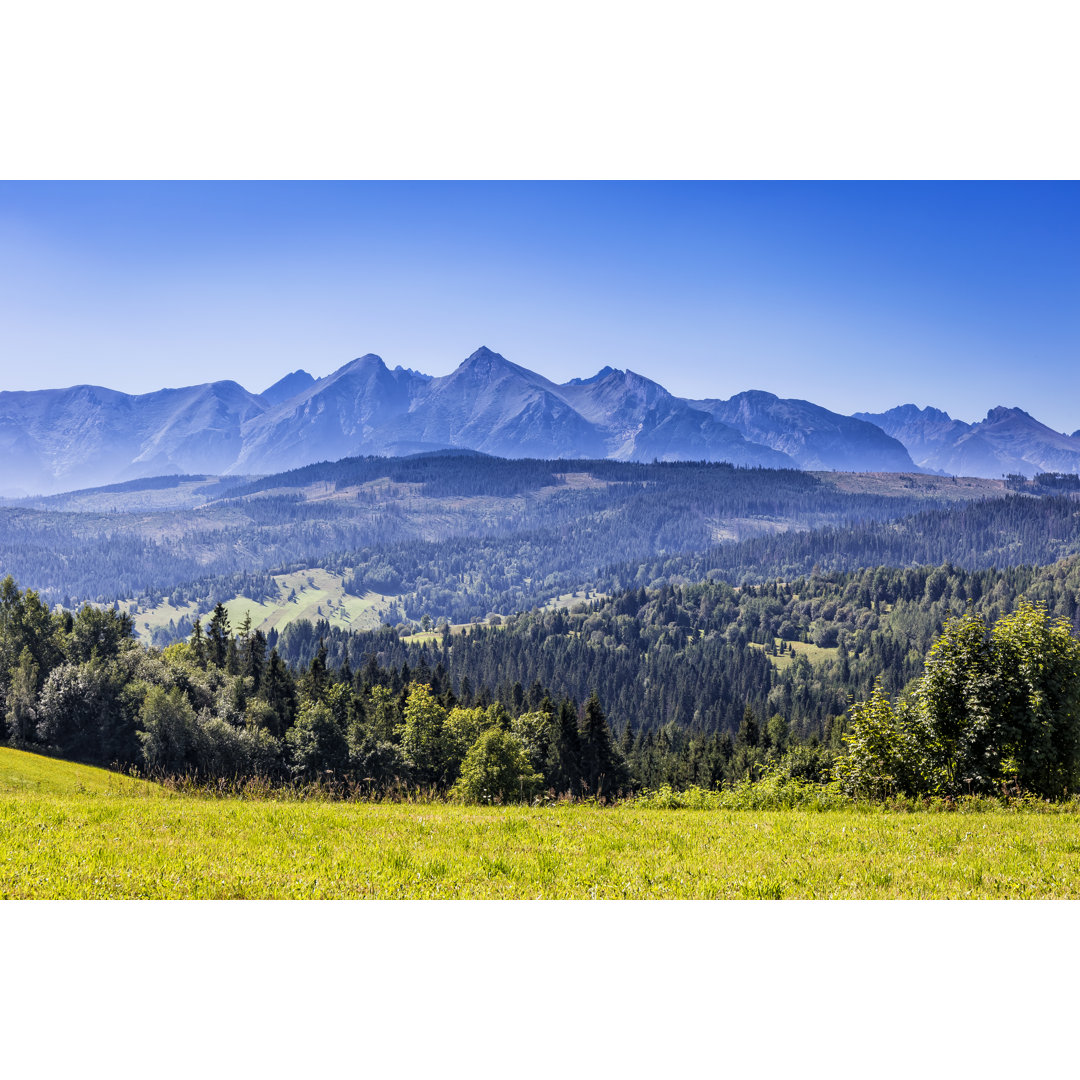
[[1010, 531], [464, 535], [698, 684], [697, 655], [577, 516]]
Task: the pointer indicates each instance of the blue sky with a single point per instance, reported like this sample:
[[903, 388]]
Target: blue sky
[[853, 295]]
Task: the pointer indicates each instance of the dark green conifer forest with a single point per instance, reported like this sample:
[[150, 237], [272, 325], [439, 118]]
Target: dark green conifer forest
[[870, 678], [724, 624]]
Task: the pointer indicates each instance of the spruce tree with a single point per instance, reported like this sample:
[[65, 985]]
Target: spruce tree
[[217, 636], [602, 767], [254, 659], [280, 694], [198, 642], [565, 771]]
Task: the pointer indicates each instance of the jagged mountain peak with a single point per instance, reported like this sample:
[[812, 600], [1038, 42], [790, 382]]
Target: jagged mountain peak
[[361, 371], [487, 368], [296, 382], [1009, 440], [602, 374], [1002, 412], [911, 410], [484, 357], [363, 363], [632, 378], [412, 372]]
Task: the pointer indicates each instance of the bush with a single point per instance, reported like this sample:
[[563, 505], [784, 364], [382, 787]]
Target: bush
[[170, 732], [315, 742], [992, 711], [774, 792], [885, 750], [496, 769]]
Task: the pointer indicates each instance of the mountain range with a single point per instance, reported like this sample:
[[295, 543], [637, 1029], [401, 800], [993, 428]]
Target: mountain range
[[1007, 441], [82, 436]]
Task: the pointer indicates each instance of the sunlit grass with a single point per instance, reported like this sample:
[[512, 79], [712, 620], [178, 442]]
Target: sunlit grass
[[814, 653], [25, 773], [315, 594], [71, 832]]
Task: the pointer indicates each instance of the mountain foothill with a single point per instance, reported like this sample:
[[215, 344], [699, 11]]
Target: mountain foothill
[[85, 436]]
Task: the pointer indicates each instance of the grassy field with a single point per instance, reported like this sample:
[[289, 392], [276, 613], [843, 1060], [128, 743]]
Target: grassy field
[[814, 653], [305, 594], [913, 485], [69, 832], [22, 773]]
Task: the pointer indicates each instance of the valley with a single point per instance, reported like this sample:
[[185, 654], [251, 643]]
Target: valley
[[458, 535]]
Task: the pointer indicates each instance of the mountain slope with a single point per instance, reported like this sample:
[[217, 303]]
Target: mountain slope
[[492, 405], [1007, 441], [82, 436], [813, 437], [336, 416], [296, 382], [641, 421]]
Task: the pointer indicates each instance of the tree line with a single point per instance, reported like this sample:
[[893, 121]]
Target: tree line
[[683, 685]]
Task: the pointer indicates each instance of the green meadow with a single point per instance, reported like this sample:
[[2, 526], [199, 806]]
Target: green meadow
[[304, 594], [67, 831]]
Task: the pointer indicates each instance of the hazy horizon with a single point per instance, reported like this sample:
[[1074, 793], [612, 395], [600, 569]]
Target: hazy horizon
[[259, 389], [858, 296]]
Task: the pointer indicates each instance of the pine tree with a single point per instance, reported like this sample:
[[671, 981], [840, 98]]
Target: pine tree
[[280, 694], [217, 636], [602, 769]]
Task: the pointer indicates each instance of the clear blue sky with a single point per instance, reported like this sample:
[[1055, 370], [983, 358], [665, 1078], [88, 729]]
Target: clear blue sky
[[853, 295]]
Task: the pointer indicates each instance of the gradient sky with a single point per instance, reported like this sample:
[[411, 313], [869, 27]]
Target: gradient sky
[[858, 296]]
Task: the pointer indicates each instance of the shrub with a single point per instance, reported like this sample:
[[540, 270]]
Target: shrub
[[496, 769]]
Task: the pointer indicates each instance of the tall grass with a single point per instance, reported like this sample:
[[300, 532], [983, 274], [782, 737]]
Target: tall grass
[[67, 831]]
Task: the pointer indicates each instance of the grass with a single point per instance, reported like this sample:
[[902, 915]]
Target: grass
[[913, 485], [315, 594], [22, 773], [69, 832], [816, 654]]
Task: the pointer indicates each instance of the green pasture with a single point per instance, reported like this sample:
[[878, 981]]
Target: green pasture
[[814, 653], [312, 594], [22, 773], [70, 832]]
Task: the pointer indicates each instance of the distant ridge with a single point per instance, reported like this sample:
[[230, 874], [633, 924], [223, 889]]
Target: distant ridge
[[1007, 441], [86, 436]]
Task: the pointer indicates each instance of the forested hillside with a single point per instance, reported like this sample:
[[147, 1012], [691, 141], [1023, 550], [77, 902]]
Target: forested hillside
[[1000, 532], [682, 684], [526, 530], [696, 655]]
